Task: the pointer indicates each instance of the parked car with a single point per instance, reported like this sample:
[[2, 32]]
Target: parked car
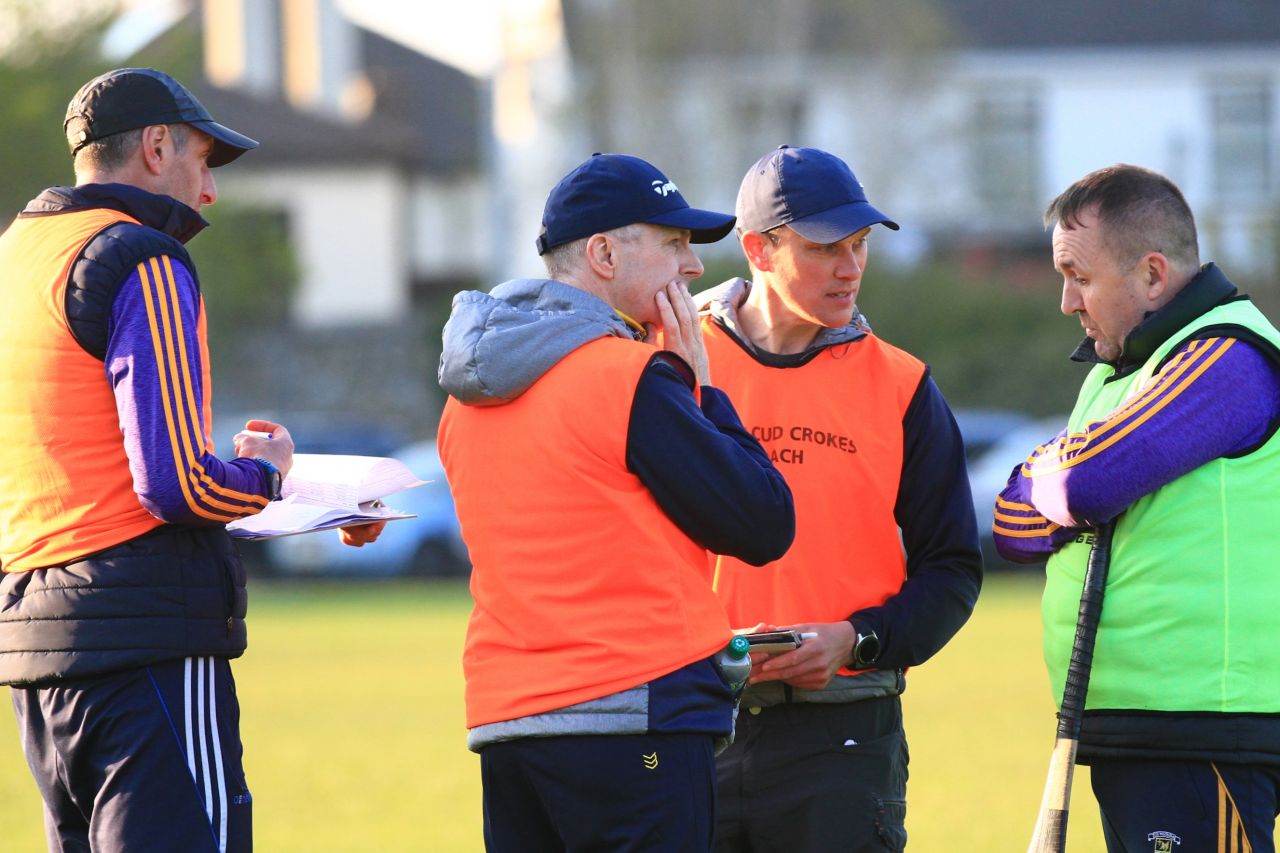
[[990, 470], [426, 546], [981, 428]]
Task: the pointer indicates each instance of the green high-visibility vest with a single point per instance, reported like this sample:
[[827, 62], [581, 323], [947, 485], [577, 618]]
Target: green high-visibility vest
[[1192, 607]]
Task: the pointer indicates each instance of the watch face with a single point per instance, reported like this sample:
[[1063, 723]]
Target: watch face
[[867, 650]]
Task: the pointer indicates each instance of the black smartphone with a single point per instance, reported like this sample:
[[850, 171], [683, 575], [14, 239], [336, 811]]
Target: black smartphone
[[773, 641]]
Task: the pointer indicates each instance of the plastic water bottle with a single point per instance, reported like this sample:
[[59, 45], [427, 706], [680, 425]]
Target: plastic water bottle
[[735, 663]]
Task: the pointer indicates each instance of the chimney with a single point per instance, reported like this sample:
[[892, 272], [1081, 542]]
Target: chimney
[[242, 45], [322, 59]]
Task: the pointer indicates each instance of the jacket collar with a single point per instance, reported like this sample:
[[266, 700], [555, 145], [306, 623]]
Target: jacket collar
[[1209, 289], [161, 212]]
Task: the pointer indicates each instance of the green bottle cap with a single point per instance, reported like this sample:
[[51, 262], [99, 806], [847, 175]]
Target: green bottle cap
[[738, 647]]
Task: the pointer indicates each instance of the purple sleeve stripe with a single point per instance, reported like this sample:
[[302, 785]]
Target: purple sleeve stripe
[[1064, 443], [194, 422], [1007, 504], [1020, 514], [1070, 444], [1171, 373], [186, 435], [1178, 375], [1044, 530], [162, 317], [1020, 519]]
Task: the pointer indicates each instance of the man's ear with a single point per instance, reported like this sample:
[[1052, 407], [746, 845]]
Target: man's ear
[[759, 250], [156, 147], [1156, 269], [602, 256]]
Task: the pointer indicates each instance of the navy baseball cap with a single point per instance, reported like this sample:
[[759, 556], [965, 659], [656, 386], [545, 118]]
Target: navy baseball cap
[[814, 192], [130, 98], [612, 190]]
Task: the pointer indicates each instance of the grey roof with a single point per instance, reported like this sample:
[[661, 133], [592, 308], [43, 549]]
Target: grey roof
[[292, 136], [1110, 23], [444, 104], [426, 115], [664, 29]]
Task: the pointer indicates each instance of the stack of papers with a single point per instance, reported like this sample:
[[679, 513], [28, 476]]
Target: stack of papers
[[324, 491]]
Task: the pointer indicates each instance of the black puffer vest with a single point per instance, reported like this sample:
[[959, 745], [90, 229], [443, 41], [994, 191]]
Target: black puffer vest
[[172, 593]]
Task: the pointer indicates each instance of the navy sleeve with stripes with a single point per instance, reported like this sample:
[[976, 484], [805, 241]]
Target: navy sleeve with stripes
[[154, 361]]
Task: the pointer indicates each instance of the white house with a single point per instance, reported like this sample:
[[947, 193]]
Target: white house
[[963, 118], [374, 154]]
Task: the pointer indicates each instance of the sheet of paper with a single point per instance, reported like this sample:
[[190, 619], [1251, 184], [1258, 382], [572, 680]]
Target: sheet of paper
[[323, 491], [290, 516], [345, 481]]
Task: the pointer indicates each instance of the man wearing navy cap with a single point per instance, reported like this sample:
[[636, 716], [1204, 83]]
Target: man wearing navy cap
[[876, 465], [592, 472], [123, 599]]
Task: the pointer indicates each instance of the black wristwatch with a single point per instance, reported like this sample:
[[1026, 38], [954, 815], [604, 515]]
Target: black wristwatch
[[866, 650], [274, 480]]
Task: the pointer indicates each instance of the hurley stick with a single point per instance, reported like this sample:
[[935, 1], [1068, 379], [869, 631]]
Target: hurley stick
[[1050, 834]]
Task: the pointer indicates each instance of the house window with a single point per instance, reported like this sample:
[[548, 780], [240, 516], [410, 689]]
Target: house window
[[1241, 127], [1005, 157]]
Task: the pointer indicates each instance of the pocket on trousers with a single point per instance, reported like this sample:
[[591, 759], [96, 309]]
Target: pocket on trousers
[[891, 817]]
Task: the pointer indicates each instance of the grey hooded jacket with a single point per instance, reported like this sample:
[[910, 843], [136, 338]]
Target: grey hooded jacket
[[499, 343]]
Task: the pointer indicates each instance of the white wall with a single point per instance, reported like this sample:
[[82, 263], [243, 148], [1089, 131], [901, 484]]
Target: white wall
[[1147, 107], [350, 228], [450, 228]]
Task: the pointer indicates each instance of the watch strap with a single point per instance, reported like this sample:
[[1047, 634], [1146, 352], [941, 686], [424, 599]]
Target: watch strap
[[274, 480]]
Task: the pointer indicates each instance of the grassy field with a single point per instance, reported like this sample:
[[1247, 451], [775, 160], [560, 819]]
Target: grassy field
[[351, 696]]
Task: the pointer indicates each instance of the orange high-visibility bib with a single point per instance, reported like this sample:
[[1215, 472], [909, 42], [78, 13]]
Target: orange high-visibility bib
[[833, 427], [582, 585]]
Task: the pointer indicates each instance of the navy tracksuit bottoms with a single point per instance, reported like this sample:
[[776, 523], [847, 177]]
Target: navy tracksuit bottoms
[[599, 794], [143, 759], [1186, 806]]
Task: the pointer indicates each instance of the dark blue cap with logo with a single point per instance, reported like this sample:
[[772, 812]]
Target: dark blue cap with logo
[[612, 190], [130, 98], [813, 192]]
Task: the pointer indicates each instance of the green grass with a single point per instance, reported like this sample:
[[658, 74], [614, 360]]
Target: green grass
[[354, 739], [980, 723]]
